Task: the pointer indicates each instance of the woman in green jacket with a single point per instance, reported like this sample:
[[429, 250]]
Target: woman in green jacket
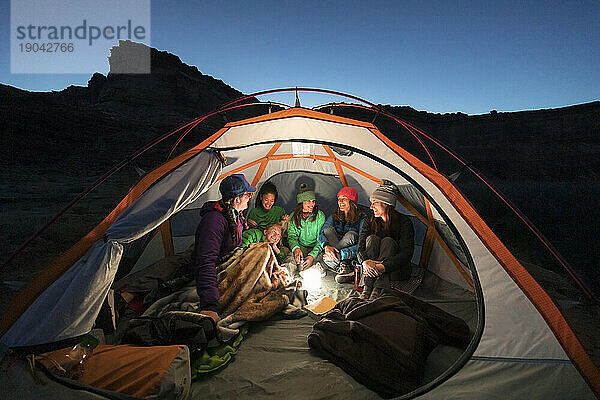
[[303, 232], [265, 212]]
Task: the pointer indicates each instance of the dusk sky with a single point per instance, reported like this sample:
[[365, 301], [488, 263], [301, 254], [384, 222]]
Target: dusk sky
[[438, 56]]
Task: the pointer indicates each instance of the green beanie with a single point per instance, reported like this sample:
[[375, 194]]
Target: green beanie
[[305, 196]]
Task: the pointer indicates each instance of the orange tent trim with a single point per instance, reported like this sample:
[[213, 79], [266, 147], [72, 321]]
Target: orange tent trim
[[338, 165]]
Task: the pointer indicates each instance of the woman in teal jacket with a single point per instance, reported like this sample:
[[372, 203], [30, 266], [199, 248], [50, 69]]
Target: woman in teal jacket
[[339, 235], [303, 232]]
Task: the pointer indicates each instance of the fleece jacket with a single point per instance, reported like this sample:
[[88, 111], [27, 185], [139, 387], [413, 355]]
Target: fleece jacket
[[307, 234]]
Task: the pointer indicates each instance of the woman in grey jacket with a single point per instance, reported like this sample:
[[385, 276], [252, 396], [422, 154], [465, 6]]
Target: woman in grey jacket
[[385, 244]]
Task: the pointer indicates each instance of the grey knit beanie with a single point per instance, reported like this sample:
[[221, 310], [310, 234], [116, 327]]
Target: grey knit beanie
[[386, 193]]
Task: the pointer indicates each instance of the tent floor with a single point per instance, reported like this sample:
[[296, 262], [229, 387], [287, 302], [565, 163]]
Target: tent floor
[[274, 359]]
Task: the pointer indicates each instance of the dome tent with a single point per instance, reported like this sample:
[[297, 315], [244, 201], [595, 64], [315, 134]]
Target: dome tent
[[521, 341]]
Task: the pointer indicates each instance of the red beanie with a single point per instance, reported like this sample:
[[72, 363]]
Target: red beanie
[[350, 193]]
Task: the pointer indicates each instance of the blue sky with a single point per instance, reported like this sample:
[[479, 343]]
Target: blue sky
[[438, 56]]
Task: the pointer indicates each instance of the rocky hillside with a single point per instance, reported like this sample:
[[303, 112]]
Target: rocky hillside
[[114, 115], [54, 144], [560, 144], [107, 120]]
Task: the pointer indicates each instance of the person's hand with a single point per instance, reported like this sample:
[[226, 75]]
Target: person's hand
[[252, 223], [285, 218], [330, 253], [373, 268], [275, 248], [307, 263], [212, 314], [298, 256], [379, 269], [283, 275], [367, 268]]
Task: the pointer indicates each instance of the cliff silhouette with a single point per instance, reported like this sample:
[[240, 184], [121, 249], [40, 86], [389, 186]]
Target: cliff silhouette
[[115, 114], [54, 144]]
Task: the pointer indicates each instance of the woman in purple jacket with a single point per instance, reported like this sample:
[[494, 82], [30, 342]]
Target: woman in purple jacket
[[219, 232]]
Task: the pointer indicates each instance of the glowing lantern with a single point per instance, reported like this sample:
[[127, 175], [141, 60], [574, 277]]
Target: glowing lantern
[[311, 279]]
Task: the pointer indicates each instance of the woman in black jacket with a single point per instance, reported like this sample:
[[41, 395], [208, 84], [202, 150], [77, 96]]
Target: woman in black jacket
[[385, 244]]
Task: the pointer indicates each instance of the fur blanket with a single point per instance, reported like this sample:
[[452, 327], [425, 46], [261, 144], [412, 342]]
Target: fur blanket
[[252, 287]]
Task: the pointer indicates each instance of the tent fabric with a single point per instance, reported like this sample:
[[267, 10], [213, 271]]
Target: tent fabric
[[513, 379], [298, 128], [42, 281], [520, 322], [69, 306], [528, 329], [18, 383], [529, 287]]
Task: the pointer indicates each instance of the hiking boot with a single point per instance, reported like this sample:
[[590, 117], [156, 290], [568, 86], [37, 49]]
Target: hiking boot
[[345, 278], [345, 267], [346, 272]]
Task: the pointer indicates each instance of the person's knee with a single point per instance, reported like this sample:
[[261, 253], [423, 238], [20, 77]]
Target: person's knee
[[329, 230], [331, 236], [388, 241], [373, 241], [372, 246], [350, 238], [388, 247]]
